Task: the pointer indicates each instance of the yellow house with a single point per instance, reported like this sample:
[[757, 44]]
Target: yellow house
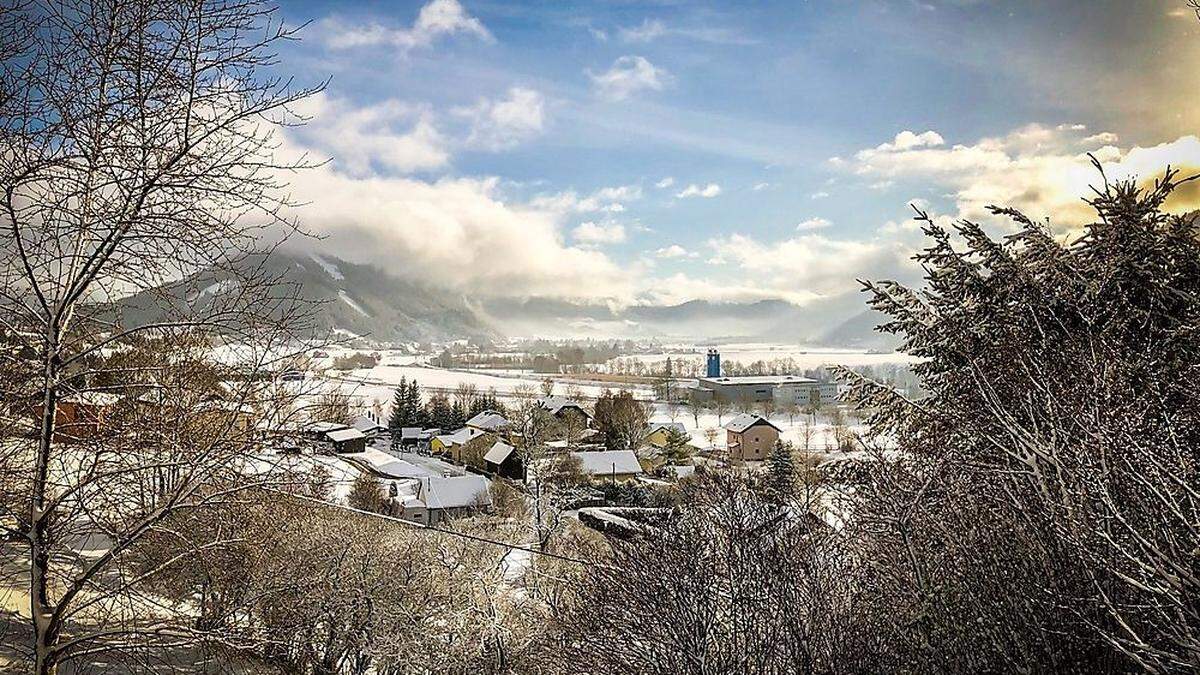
[[451, 445], [658, 433]]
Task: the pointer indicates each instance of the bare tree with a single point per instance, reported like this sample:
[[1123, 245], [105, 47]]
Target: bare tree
[[136, 161], [720, 407]]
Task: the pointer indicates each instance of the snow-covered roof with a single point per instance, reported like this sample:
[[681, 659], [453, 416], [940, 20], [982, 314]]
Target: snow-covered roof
[[608, 462], [681, 471], [488, 420], [342, 435], [760, 379], [746, 420], [455, 492], [417, 433], [498, 452], [666, 426], [96, 398], [461, 436], [555, 404], [366, 424], [387, 465], [323, 427]]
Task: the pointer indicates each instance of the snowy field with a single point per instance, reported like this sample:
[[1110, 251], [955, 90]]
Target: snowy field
[[820, 435], [805, 357]]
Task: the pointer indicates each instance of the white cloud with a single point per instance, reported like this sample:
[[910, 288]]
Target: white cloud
[[813, 224], [436, 19], [819, 195], [459, 234], [652, 29], [680, 287], [628, 76], [693, 190], [759, 187], [390, 135], [665, 183], [814, 264], [1102, 138], [674, 251], [606, 199], [647, 31], [907, 140], [504, 123], [599, 233], [1034, 168]]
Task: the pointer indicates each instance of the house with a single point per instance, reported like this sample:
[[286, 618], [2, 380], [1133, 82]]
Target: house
[[451, 445], [658, 433], [611, 464], [438, 499], [503, 459], [489, 421], [563, 408], [410, 437], [370, 427], [232, 415], [750, 437], [82, 414], [346, 440], [317, 430]]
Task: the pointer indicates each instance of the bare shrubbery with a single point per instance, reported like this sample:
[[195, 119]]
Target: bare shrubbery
[[1038, 513]]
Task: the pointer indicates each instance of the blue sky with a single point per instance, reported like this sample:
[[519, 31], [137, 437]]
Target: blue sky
[[664, 151]]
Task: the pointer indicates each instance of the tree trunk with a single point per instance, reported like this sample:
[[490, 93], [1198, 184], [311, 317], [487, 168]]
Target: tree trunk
[[45, 627]]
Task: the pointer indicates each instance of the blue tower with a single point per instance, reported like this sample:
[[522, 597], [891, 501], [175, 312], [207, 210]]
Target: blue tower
[[714, 363]]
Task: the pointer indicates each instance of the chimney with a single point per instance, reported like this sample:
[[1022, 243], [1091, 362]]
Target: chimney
[[714, 363]]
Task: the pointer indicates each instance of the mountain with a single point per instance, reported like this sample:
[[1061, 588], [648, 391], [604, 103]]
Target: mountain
[[692, 320], [361, 300]]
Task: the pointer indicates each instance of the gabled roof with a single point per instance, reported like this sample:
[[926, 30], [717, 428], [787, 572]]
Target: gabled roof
[[366, 424], [323, 427], [746, 420], [488, 420], [555, 404], [608, 462], [460, 437], [666, 426], [455, 492], [498, 452], [342, 435]]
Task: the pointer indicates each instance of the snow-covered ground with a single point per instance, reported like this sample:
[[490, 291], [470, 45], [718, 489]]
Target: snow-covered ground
[[820, 435], [806, 357]]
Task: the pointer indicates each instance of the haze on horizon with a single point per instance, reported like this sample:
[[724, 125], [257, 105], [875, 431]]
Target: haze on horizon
[[614, 154]]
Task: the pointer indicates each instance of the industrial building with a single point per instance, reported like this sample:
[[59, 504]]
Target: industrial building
[[782, 389]]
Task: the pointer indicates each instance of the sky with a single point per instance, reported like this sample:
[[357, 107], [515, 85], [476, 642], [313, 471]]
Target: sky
[[659, 152]]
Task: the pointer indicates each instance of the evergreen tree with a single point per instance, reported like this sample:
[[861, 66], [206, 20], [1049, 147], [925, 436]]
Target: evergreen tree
[[781, 473], [458, 416], [438, 412], [420, 415], [677, 450], [402, 413]]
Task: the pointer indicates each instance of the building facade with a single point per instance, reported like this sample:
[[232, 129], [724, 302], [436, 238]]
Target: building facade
[[750, 437]]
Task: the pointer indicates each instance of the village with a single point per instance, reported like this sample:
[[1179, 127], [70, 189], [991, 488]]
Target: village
[[434, 453]]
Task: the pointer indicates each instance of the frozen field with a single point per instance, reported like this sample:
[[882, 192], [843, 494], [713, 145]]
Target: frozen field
[[805, 358], [820, 435]]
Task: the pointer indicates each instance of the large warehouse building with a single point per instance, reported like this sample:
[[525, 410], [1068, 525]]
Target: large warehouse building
[[783, 389]]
